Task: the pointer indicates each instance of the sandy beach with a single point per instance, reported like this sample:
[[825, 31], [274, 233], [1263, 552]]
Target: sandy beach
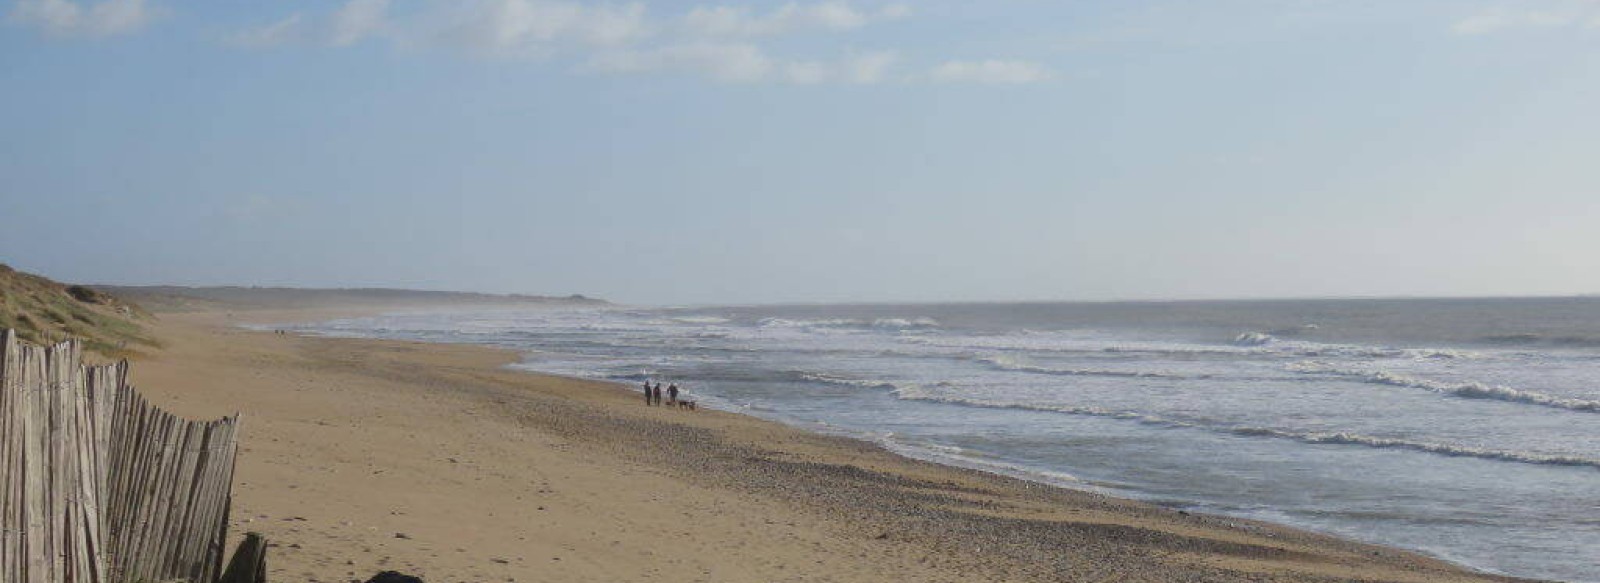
[[966, 291], [435, 460]]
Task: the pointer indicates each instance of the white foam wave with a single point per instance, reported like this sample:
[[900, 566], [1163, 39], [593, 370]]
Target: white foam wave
[[836, 380], [922, 393], [787, 323], [892, 324], [1010, 364], [914, 392], [700, 320], [1343, 438], [1468, 390], [1248, 344], [960, 457], [1060, 342], [905, 324], [1253, 339]]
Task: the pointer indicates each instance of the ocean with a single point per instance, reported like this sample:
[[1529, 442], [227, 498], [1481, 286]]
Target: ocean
[[1467, 429]]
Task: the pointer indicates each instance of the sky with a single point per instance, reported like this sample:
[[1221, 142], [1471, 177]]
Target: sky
[[742, 151]]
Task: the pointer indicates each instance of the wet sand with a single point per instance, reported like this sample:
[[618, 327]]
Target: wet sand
[[435, 460]]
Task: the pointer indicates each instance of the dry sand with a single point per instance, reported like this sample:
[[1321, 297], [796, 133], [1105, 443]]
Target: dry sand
[[435, 460]]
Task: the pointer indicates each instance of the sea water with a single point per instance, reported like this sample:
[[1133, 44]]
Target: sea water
[[1467, 429]]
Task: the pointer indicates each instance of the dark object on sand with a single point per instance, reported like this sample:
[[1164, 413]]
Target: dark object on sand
[[249, 564], [393, 577]]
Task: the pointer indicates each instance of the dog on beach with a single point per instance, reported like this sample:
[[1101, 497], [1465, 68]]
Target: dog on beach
[[686, 404]]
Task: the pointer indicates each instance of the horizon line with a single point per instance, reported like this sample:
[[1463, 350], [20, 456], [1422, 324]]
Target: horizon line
[[874, 302]]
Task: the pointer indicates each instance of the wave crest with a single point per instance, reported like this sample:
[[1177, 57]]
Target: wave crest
[[1253, 339], [920, 393], [892, 324], [1467, 390], [828, 379], [1249, 344], [1009, 364]]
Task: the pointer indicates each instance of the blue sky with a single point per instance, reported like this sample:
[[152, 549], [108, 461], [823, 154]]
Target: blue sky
[[710, 151]]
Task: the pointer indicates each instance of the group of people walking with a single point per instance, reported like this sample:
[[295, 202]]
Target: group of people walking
[[652, 394]]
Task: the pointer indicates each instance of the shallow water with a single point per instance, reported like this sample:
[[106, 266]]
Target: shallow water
[[1467, 429]]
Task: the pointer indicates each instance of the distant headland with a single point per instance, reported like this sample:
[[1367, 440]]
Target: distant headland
[[184, 298]]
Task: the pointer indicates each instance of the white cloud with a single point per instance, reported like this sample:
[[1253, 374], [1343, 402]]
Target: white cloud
[[1551, 16], [728, 62], [351, 23], [497, 27], [741, 21], [991, 71], [869, 68], [53, 15], [1481, 23], [508, 23], [69, 18], [718, 42], [806, 72], [522, 26], [744, 63], [285, 31], [357, 20], [611, 26]]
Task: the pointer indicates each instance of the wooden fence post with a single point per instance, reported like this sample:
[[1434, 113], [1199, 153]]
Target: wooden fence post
[[249, 564]]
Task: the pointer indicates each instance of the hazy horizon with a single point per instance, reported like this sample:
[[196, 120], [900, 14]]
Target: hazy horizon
[[759, 152], [870, 302]]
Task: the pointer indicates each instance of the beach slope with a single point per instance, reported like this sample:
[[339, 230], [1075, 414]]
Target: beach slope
[[363, 455]]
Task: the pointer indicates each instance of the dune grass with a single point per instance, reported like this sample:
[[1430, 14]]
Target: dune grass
[[44, 311]]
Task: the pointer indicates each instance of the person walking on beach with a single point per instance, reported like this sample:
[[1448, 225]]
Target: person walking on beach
[[647, 399], [672, 394], [655, 394]]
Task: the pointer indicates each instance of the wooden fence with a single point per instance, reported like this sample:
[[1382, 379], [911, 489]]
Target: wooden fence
[[99, 485]]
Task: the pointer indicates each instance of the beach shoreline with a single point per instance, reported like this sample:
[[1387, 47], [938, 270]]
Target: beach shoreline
[[439, 459]]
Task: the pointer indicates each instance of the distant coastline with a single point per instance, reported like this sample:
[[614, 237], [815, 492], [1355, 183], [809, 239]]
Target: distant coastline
[[185, 298]]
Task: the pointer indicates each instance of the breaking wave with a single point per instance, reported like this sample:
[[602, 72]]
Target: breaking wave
[[961, 457], [1529, 339], [890, 324], [921, 393], [1253, 339], [700, 320], [1249, 344], [1009, 364], [828, 379], [1467, 390]]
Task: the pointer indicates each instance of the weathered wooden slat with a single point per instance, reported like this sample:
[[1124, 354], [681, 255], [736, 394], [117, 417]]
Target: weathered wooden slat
[[145, 556], [100, 486], [10, 461], [181, 505], [35, 430]]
